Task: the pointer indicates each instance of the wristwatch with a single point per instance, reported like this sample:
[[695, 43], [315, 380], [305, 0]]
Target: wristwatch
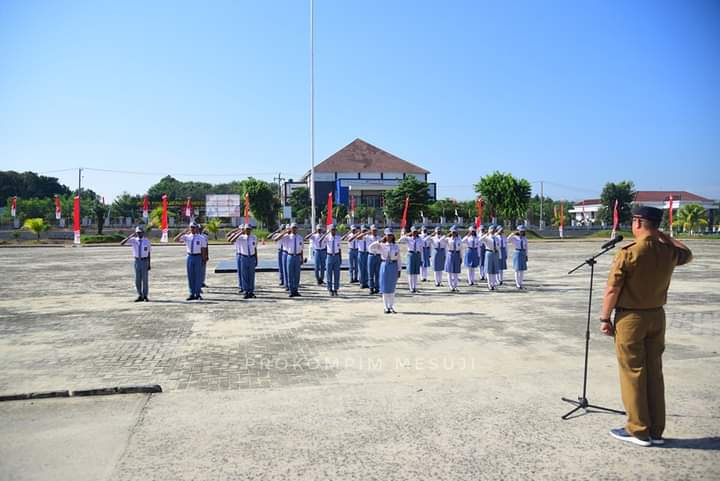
[[605, 320]]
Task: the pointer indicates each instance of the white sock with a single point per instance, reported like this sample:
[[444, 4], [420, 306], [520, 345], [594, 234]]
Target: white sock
[[438, 277], [391, 300], [423, 271], [500, 275], [471, 275], [386, 301]]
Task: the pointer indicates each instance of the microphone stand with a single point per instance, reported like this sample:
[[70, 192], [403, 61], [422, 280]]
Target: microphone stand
[[582, 401]]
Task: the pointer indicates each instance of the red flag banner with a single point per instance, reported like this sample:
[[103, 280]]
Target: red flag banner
[[329, 209], [76, 220], [352, 206], [670, 209], [146, 208], [58, 209], [13, 206], [479, 207], [562, 218], [616, 215], [403, 221], [164, 219], [247, 208], [188, 208]]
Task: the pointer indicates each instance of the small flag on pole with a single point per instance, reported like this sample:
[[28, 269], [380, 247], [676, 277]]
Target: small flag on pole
[[616, 219], [247, 208], [670, 209], [562, 219], [403, 221], [329, 209], [352, 206], [164, 220], [76, 220], [58, 209], [188, 208], [13, 207], [146, 208], [479, 208]]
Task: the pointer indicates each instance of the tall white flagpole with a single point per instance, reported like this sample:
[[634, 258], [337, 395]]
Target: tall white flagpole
[[312, 114]]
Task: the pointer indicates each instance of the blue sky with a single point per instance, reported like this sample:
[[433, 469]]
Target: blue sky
[[576, 93]]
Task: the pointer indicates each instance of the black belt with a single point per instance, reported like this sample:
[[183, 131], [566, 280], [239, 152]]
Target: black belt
[[247, 255], [318, 250], [353, 248], [141, 258], [377, 255], [389, 262], [194, 254], [337, 254], [293, 254], [413, 252], [520, 250]]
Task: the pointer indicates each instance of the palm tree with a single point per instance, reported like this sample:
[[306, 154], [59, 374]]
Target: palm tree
[[690, 217], [213, 226], [37, 225]]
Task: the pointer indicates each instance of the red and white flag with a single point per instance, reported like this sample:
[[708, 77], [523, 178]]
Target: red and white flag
[[13, 207], [616, 219], [403, 221], [247, 208], [188, 208], [164, 219], [76, 220], [329, 219], [58, 209], [479, 204], [562, 219], [670, 208], [146, 208], [352, 206]]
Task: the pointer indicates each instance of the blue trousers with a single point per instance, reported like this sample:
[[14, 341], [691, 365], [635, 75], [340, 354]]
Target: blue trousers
[[292, 270], [247, 267], [333, 272], [194, 274], [320, 261], [281, 267], [141, 276], [238, 258], [363, 265], [374, 271], [353, 265]]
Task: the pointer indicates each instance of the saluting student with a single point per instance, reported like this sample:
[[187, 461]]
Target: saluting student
[[503, 254], [196, 249], [426, 253], [373, 262], [232, 237], [483, 231], [472, 255], [248, 254], [281, 256], [362, 255], [319, 252], [293, 246], [333, 260], [439, 243], [453, 262], [353, 253], [203, 266], [491, 263], [520, 256], [141, 249], [389, 252], [414, 256]]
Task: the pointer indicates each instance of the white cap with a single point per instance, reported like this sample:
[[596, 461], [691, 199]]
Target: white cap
[[472, 228], [319, 227], [139, 229], [373, 227], [388, 231], [453, 228], [521, 228], [293, 225], [331, 226]]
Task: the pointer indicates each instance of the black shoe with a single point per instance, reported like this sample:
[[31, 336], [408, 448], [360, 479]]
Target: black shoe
[[246, 296], [392, 309], [437, 285], [198, 297], [252, 295], [191, 298], [203, 285], [146, 299], [364, 286], [281, 284], [139, 299], [387, 311]]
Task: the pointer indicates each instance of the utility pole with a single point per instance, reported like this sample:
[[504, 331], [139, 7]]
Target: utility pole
[[312, 114], [542, 219], [280, 179], [79, 180]]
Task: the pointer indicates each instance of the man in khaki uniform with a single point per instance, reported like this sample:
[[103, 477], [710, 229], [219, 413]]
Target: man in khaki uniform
[[637, 290]]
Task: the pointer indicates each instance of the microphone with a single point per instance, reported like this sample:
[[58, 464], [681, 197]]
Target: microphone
[[611, 243]]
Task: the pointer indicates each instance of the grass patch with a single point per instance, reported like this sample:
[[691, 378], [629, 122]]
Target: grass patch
[[101, 239]]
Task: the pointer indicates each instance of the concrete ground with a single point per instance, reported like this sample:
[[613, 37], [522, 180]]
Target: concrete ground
[[454, 386]]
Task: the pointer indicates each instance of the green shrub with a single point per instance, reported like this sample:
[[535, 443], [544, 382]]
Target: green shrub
[[101, 239]]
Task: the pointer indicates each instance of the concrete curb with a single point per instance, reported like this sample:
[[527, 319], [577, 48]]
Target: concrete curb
[[104, 391]]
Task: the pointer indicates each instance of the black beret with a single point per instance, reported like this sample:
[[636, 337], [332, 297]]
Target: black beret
[[649, 213]]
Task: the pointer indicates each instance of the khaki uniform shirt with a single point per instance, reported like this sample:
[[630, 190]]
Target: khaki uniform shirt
[[642, 271]]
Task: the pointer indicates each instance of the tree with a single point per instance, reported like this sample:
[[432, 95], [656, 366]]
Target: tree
[[29, 185], [300, 203], [534, 210], [691, 217], [264, 203], [127, 205], [340, 213], [504, 195], [156, 217], [213, 226], [37, 225], [624, 192], [419, 199], [442, 208], [567, 218], [177, 190], [100, 210]]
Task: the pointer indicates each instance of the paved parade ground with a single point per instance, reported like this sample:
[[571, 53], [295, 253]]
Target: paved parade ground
[[455, 386]]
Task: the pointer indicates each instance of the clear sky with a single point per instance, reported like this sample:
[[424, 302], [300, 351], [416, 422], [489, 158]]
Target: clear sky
[[576, 93]]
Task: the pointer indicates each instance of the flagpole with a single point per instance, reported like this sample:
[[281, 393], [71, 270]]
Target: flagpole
[[312, 114]]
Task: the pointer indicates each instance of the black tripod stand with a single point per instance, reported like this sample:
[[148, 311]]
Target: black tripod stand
[[582, 401]]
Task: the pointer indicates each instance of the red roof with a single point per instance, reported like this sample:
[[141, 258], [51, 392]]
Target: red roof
[[662, 195], [360, 156]]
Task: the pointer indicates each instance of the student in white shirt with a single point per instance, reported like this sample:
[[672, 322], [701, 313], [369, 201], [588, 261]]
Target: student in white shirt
[[318, 252], [196, 250], [414, 256], [520, 256], [472, 254], [439, 243], [389, 253], [141, 249], [333, 260]]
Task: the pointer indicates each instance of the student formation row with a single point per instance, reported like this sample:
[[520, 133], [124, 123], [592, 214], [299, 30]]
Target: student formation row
[[374, 260]]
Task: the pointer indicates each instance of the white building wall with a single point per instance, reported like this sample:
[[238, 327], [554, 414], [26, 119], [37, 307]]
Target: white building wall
[[369, 175]]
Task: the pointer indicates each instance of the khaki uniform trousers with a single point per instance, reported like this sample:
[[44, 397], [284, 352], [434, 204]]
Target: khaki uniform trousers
[[639, 344]]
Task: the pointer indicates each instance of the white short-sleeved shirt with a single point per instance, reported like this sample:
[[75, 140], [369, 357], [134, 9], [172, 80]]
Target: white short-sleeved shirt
[[246, 245], [293, 243], [318, 241], [194, 243], [362, 244], [415, 244], [353, 244], [454, 244], [427, 240], [520, 243], [369, 239], [439, 242], [490, 242], [140, 247], [471, 241], [387, 251], [333, 243]]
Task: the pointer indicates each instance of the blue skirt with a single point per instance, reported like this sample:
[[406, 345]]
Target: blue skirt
[[453, 263], [491, 262], [439, 260], [482, 254], [519, 261], [503, 258], [413, 262], [426, 257], [472, 259], [388, 276]]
